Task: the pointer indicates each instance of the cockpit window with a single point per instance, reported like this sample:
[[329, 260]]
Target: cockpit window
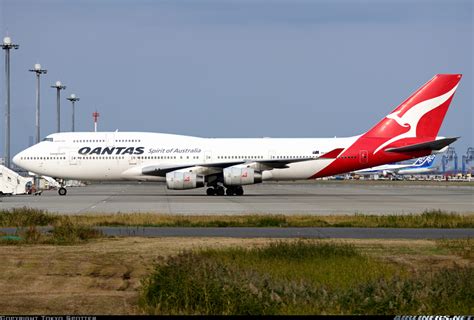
[[48, 139]]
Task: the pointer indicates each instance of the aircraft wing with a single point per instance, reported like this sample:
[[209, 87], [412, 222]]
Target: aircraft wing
[[215, 167], [209, 168], [162, 170]]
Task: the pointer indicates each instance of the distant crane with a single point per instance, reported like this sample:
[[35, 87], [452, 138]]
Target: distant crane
[[450, 156], [467, 159]]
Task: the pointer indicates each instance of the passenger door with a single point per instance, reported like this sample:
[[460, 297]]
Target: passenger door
[[208, 156], [72, 158], [363, 156]]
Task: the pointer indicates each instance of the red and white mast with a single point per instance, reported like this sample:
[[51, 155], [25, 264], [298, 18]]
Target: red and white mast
[[95, 115]]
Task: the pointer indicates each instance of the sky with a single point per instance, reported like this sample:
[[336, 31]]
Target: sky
[[227, 68]]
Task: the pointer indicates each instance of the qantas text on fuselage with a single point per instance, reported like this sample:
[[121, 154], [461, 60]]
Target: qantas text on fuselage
[[226, 165]]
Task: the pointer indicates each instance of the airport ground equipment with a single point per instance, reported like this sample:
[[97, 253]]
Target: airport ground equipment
[[450, 156], [12, 183], [52, 183]]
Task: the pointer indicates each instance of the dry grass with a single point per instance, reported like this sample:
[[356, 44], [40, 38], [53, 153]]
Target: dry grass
[[103, 276], [428, 219], [26, 217], [99, 277]]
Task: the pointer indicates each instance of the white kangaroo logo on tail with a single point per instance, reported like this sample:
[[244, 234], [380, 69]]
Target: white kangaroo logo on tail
[[414, 114]]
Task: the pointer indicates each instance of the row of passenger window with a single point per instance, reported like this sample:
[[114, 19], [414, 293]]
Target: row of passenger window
[[292, 157], [81, 141], [99, 140], [239, 157], [43, 158], [166, 157], [261, 157], [103, 157], [139, 157]]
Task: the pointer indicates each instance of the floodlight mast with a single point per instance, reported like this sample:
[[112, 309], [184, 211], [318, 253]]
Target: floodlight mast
[[58, 87], [7, 45], [37, 69], [73, 99]]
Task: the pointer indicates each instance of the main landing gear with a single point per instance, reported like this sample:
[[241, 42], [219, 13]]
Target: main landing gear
[[220, 191]]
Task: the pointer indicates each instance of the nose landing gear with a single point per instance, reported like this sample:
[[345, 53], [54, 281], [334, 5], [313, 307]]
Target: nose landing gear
[[62, 191]]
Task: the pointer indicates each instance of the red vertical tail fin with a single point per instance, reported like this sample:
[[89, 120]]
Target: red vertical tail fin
[[421, 115], [408, 132]]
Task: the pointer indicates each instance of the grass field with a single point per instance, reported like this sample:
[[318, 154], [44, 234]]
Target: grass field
[[110, 275], [303, 277], [74, 269], [25, 217]]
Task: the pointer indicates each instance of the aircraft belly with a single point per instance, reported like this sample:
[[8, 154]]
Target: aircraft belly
[[300, 170]]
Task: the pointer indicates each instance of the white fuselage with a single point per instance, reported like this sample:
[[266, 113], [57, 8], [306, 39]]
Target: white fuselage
[[123, 155]]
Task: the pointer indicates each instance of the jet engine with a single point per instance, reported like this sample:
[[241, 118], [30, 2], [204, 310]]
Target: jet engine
[[240, 175], [180, 180]]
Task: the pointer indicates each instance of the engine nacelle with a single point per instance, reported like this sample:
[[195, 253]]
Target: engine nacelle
[[238, 176], [180, 180]]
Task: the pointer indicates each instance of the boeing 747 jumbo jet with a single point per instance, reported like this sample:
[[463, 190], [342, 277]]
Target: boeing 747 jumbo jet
[[225, 165]]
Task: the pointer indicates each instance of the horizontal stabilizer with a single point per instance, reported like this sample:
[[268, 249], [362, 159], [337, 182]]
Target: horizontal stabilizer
[[434, 145]]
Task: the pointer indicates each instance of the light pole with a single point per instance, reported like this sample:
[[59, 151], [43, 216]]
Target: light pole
[[58, 87], [7, 45], [37, 69], [73, 99]]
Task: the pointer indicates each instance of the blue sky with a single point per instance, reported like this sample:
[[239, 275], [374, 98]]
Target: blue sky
[[235, 68]]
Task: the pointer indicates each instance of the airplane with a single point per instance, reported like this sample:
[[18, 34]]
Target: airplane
[[420, 166], [225, 165]]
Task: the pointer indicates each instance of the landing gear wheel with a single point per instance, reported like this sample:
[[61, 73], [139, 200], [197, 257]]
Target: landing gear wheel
[[230, 192], [62, 191], [211, 191], [220, 191], [239, 191]]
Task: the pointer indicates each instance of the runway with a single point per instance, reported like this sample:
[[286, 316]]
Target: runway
[[338, 233], [317, 198]]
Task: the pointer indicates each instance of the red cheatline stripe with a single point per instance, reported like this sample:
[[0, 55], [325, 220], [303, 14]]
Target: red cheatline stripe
[[331, 154]]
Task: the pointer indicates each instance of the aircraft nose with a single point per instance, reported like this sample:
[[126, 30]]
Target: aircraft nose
[[16, 159]]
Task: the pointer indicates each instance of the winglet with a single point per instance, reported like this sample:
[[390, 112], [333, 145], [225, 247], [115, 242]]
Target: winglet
[[332, 154]]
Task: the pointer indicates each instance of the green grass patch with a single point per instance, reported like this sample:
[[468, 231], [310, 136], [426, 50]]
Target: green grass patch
[[427, 219], [65, 232], [23, 217], [27, 220], [319, 262], [300, 277]]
